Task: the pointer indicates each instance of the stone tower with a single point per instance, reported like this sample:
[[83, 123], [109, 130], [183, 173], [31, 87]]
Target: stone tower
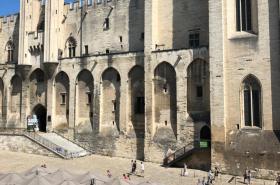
[[29, 17], [53, 29]]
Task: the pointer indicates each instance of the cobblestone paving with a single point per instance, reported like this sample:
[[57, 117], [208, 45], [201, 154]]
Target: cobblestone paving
[[18, 162]]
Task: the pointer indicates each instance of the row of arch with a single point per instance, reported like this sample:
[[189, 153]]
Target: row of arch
[[164, 95]]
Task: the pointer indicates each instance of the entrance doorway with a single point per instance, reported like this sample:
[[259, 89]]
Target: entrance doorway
[[205, 135], [41, 112]]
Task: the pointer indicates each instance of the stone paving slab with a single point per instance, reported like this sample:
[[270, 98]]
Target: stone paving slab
[[18, 162]]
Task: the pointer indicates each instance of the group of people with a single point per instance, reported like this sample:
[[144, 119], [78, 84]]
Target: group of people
[[134, 167], [133, 170], [247, 176], [212, 175]]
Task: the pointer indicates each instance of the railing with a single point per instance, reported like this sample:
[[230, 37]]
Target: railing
[[83, 146], [48, 144], [180, 152]]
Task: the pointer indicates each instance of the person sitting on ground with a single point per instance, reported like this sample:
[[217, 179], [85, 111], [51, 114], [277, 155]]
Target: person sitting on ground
[[124, 177], [128, 176], [109, 174]]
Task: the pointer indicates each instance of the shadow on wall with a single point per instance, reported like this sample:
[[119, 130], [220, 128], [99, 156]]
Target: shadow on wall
[[189, 16], [136, 25]]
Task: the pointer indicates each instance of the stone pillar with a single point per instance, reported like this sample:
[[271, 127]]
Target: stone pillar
[[150, 16], [123, 104], [50, 103], [72, 98], [217, 95], [184, 134]]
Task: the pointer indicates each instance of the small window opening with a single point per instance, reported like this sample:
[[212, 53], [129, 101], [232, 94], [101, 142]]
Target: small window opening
[[142, 36], [107, 51], [63, 98], [107, 23], [199, 91], [165, 123], [86, 49], [194, 39], [140, 105], [89, 98], [114, 105], [121, 39]]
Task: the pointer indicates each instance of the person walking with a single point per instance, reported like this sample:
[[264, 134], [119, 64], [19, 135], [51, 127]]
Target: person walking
[[185, 173], [249, 177], [131, 165], [142, 168], [134, 166]]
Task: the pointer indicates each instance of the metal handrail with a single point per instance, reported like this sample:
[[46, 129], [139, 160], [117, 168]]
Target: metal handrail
[[180, 152], [74, 142]]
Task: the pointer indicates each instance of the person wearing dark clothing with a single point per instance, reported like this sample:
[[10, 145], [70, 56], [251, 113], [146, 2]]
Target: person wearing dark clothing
[[134, 165]]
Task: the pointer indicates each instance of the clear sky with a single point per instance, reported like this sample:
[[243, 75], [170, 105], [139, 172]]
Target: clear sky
[[9, 7], [12, 6]]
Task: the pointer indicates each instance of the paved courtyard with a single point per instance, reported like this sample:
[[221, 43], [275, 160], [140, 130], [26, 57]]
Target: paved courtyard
[[18, 162]]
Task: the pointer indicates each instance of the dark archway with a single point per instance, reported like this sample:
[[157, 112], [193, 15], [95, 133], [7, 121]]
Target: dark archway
[[205, 135], [41, 112]]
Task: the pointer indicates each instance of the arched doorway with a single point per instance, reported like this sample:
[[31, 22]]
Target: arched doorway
[[205, 135], [41, 112]]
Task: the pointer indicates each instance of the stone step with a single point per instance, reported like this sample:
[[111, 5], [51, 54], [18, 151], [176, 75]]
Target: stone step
[[67, 145]]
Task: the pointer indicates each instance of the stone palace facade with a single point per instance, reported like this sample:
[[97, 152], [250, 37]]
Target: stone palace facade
[[135, 78]]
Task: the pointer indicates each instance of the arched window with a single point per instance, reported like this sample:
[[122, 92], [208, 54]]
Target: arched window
[[251, 97], [71, 44], [10, 51]]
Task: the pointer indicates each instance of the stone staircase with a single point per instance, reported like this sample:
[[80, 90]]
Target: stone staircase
[[66, 147]]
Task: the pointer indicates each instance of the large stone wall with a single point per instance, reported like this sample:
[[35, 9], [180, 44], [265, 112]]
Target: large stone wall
[[22, 144], [234, 56]]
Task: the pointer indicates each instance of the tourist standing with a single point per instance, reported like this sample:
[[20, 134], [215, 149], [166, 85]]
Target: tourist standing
[[249, 176], [131, 165], [185, 173], [142, 168], [245, 175], [134, 166]]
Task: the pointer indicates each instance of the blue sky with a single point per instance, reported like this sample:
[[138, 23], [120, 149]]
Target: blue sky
[[9, 7], [12, 6]]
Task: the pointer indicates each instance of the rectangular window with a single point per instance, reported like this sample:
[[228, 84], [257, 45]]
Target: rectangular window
[[86, 49], [256, 107], [114, 105], [107, 23], [140, 105], [194, 39], [63, 98], [89, 98], [243, 15], [247, 108], [199, 91]]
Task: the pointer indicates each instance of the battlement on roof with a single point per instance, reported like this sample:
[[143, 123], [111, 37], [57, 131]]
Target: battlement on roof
[[9, 18]]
